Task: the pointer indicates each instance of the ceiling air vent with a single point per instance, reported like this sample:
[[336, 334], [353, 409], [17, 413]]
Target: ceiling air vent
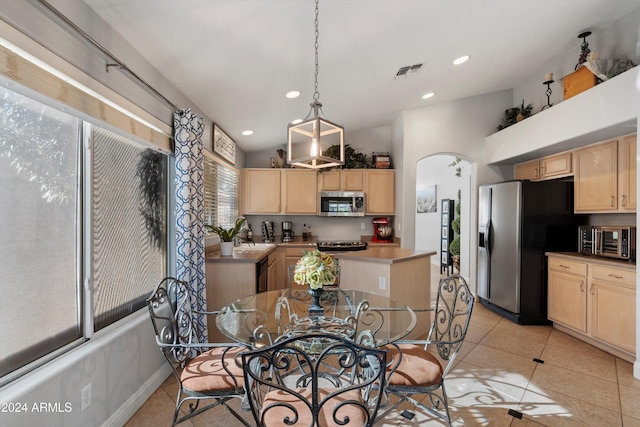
[[408, 71]]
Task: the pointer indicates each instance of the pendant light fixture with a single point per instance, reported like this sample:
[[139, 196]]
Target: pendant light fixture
[[308, 140]]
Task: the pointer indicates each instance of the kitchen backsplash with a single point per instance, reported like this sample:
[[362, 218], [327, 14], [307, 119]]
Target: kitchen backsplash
[[322, 228]]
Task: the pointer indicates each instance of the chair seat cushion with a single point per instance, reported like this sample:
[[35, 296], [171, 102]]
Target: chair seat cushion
[[205, 372], [275, 416], [417, 368]]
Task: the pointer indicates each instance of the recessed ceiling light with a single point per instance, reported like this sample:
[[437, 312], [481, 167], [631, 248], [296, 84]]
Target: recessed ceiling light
[[293, 94], [428, 95], [247, 132], [461, 60], [296, 121]]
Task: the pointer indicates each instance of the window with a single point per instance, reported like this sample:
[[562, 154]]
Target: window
[[220, 193], [39, 217], [128, 206], [59, 205]]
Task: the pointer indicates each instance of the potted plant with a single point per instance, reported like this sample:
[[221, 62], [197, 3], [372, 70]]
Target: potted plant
[[227, 234], [454, 246]]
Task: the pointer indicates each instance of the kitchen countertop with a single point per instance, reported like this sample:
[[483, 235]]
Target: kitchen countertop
[[250, 254], [254, 254], [384, 254], [611, 262]]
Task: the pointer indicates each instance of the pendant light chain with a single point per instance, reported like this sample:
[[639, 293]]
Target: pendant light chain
[[309, 138], [316, 93]]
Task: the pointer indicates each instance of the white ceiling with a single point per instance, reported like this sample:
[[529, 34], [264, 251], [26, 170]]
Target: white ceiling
[[236, 59]]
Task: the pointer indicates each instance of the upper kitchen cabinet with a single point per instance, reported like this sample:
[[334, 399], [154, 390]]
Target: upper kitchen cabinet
[[627, 186], [341, 180], [299, 192], [550, 167], [604, 176], [260, 191], [279, 191], [379, 187]]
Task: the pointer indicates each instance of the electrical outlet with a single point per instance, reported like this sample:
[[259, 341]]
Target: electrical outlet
[[363, 226], [85, 397], [382, 282]]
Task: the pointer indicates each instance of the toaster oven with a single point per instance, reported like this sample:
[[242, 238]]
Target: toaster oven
[[608, 241]]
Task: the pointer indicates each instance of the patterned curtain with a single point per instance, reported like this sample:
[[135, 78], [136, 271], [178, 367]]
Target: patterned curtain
[[188, 129]]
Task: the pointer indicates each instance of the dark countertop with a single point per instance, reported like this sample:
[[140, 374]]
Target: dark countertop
[[611, 262]]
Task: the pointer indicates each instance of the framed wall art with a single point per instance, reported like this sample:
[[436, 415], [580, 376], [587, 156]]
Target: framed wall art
[[223, 145], [427, 200]]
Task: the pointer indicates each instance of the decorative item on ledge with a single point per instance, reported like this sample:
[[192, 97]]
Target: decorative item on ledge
[[352, 158], [548, 79], [514, 115], [381, 160], [584, 49]]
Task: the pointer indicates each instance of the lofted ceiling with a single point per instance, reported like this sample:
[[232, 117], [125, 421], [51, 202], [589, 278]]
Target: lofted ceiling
[[236, 59]]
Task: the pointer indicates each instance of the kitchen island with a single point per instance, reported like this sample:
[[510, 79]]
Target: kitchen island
[[398, 273], [236, 276]]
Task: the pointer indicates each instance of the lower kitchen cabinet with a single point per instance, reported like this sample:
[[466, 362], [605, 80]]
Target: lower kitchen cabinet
[[568, 282], [613, 307], [595, 301]]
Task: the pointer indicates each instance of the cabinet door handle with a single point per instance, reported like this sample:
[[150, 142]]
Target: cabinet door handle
[[615, 276], [591, 289], [541, 170], [563, 266], [624, 200], [613, 199], [582, 286], [535, 173]]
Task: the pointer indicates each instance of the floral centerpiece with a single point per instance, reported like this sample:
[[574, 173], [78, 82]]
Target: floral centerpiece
[[316, 269]]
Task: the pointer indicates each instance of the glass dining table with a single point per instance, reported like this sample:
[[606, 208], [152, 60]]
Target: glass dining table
[[267, 317]]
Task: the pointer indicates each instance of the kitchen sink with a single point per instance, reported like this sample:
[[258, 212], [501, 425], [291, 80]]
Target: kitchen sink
[[251, 247]]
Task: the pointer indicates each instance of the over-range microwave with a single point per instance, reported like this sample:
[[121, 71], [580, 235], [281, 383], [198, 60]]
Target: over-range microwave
[[609, 241], [341, 203]]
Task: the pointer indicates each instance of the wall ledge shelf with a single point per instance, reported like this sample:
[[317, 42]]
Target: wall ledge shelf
[[605, 111]]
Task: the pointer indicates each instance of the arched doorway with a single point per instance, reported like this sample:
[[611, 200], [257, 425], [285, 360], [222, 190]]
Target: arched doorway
[[445, 175]]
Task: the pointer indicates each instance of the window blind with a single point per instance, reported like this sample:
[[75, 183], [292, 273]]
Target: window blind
[[220, 193]]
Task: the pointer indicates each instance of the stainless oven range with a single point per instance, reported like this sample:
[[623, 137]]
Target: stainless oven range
[[342, 246]]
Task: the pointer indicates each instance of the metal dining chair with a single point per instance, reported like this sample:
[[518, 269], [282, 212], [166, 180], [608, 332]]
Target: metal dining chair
[[414, 369], [314, 380], [205, 371]]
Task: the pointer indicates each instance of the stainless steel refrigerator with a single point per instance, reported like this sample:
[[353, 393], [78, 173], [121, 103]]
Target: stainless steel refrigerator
[[517, 222]]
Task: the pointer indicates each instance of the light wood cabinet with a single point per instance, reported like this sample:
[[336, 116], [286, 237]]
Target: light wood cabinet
[[595, 302], [613, 306], [550, 167], [260, 191], [567, 300], [226, 282], [341, 180], [299, 192], [379, 187], [627, 186], [605, 176], [279, 191]]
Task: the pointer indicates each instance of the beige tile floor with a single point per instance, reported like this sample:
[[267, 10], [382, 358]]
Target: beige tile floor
[[577, 385]]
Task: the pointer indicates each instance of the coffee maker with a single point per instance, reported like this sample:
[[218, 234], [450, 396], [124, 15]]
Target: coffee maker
[[287, 231], [382, 231]]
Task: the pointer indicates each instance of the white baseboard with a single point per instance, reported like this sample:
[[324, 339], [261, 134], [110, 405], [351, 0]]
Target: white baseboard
[[137, 399], [636, 369]]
